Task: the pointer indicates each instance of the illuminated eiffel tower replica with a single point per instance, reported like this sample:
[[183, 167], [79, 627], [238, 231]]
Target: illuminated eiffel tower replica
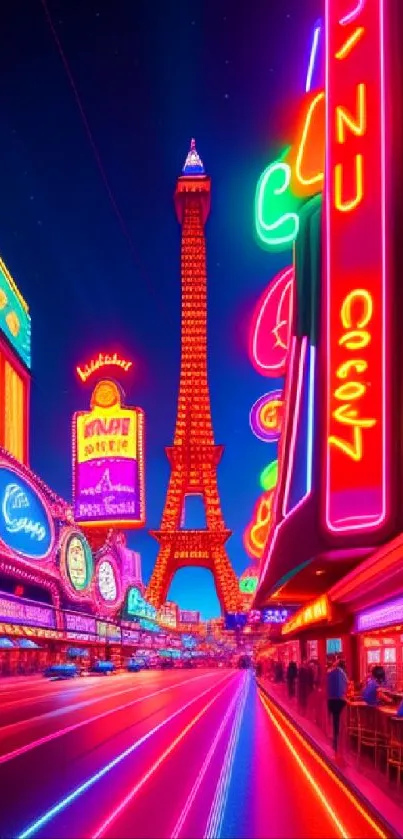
[[194, 456]]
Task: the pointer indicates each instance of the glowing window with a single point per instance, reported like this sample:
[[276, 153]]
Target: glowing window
[[14, 412]]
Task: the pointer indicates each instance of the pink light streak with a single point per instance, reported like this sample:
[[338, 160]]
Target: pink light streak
[[61, 732], [203, 771], [353, 14], [115, 813]]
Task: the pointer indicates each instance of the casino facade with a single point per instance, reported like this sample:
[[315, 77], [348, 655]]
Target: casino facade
[[63, 596]]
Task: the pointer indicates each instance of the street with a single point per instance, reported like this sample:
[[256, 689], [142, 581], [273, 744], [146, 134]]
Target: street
[[180, 753]]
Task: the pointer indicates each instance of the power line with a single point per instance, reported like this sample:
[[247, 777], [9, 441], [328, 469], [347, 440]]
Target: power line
[[98, 160]]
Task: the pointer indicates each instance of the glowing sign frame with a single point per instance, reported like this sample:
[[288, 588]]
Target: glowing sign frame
[[107, 408], [108, 606], [279, 234], [281, 286], [100, 362], [15, 320], [256, 533], [22, 477], [387, 614], [265, 418], [356, 293], [82, 594]]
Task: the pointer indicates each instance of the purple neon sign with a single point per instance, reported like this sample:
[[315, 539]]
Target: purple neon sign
[[16, 610], [107, 490], [266, 416], [385, 615]]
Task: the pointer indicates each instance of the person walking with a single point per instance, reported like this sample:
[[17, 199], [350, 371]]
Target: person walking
[[291, 677], [337, 685]]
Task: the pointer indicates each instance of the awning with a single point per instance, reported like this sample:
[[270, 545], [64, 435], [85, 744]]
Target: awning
[[6, 643]]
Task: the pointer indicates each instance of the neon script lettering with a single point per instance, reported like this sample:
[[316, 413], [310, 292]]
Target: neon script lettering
[[276, 221], [100, 362], [256, 533], [15, 509], [355, 316]]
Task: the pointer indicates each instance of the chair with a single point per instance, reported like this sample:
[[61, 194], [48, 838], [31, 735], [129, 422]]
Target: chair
[[395, 747], [353, 725], [370, 735]]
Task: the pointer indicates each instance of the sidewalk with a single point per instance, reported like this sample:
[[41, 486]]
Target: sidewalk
[[367, 783]]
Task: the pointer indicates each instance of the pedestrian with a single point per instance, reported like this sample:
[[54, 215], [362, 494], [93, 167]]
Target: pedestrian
[[291, 677], [337, 684], [372, 693], [304, 681]]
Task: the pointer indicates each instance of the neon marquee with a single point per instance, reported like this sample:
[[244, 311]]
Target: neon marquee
[[100, 362], [355, 300]]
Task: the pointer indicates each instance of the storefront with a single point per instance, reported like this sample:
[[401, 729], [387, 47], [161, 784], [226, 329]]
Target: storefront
[[373, 596], [317, 632]]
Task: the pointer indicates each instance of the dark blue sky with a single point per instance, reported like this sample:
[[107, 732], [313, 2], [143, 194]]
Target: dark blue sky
[[101, 270]]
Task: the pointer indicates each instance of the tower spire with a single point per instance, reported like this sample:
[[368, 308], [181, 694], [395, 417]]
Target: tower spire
[[194, 455], [193, 164]]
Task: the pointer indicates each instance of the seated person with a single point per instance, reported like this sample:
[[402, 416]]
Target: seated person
[[372, 693]]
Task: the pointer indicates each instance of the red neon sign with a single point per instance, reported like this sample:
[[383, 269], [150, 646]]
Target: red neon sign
[[100, 362], [257, 531], [356, 282], [307, 156], [271, 326]]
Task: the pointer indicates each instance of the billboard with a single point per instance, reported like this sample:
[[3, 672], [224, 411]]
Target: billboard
[[15, 321], [108, 461]]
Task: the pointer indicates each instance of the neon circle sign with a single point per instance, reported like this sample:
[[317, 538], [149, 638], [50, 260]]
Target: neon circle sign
[[76, 562], [25, 524], [271, 326], [266, 416], [107, 583]]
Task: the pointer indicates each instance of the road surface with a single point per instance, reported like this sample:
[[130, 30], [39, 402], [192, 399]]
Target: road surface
[[176, 754]]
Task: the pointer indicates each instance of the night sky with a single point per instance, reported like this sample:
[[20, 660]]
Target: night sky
[[87, 223]]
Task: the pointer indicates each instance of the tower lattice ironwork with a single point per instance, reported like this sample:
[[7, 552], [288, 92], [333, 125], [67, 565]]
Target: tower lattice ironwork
[[193, 456]]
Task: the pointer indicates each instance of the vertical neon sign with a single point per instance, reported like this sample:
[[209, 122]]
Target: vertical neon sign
[[357, 413]]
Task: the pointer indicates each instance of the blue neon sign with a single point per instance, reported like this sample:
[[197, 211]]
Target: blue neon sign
[[25, 525]]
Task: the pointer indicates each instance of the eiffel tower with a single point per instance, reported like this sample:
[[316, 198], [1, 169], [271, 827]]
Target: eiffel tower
[[194, 456]]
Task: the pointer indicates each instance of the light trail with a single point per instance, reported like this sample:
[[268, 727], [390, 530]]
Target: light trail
[[200, 778], [64, 709], [343, 787], [215, 819], [61, 732], [100, 831], [93, 779], [36, 693]]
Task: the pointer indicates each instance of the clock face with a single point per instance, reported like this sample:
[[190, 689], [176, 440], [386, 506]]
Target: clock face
[[107, 581]]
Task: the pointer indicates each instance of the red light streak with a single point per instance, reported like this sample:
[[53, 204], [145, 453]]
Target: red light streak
[[269, 708], [100, 831], [61, 732]]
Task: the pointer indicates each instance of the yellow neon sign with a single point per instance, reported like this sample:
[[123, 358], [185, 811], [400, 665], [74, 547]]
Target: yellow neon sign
[[347, 206], [106, 433], [317, 611], [356, 125], [355, 315]]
